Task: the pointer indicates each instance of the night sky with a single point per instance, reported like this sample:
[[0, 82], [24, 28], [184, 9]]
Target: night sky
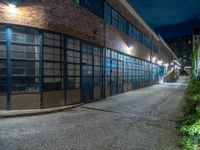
[[169, 18]]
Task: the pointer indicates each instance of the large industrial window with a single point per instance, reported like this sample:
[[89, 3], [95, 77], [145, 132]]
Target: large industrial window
[[96, 7], [25, 60], [98, 73], [114, 18], [114, 68], [73, 63], [130, 70], [87, 83], [108, 71], [109, 15], [2, 59], [125, 69], [123, 25], [53, 61], [154, 72], [124, 72], [120, 73]]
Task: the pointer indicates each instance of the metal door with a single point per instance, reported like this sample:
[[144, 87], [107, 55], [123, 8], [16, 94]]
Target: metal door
[[161, 72], [87, 73]]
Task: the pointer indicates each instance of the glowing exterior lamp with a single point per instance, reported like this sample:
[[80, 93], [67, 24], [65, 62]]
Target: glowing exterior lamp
[[166, 65], [160, 62], [154, 59], [130, 48], [12, 7]]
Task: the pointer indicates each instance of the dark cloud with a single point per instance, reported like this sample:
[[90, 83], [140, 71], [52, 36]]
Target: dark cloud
[[166, 12]]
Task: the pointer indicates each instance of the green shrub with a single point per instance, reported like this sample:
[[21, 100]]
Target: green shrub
[[190, 124], [189, 144], [192, 130], [198, 109]]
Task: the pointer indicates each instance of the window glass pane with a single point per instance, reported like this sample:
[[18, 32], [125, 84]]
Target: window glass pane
[[3, 68], [114, 18], [25, 52], [87, 54], [25, 60], [25, 35], [2, 51], [73, 63], [2, 33], [109, 14], [97, 6], [53, 61]]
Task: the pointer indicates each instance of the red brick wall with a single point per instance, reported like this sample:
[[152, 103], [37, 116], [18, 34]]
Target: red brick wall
[[67, 17], [63, 16]]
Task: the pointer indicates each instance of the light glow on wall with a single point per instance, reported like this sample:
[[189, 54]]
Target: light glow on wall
[[154, 59], [160, 62], [12, 8], [130, 48], [166, 65]]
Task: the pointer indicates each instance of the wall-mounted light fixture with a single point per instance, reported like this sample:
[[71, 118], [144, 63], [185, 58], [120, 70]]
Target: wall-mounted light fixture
[[166, 65], [154, 59], [130, 48], [160, 62], [12, 7]]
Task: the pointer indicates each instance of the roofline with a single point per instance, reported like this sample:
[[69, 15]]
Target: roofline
[[135, 14], [175, 37]]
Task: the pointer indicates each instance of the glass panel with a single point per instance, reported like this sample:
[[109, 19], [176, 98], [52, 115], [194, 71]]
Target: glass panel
[[73, 63], [2, 51], [2, 33], [25, 60], [25, 35], [53, 61]]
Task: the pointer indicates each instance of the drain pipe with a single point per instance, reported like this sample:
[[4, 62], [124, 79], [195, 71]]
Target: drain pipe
[[105, 37]]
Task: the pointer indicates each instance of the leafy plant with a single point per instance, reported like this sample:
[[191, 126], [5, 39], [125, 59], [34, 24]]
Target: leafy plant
[[190, 124], [189, 144]]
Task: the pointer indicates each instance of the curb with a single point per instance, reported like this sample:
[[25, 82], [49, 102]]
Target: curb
[[33, 112]]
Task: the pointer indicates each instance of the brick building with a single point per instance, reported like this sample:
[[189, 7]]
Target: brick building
[[56, 52]]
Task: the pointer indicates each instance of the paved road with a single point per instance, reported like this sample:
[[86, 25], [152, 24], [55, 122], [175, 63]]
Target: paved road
[[140, 120]]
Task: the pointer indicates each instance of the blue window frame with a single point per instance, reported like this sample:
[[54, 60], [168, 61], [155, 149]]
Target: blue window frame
[[3, 70], [30, 50], [115, 18], [123, 25], [98, 63], [25, 60], [53, 56], [109, 15], [73, 63], [95, 6]]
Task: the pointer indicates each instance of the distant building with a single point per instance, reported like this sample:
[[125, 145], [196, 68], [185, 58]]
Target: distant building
[[196, 40], [182, 47]]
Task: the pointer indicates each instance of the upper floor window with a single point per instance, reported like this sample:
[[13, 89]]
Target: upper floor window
[[123, 25], [95, 6]]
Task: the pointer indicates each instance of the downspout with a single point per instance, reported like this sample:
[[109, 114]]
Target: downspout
[[105, 37]]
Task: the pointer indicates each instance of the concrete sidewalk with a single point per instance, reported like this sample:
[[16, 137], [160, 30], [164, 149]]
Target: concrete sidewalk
[[144, 119], [31, 112]]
